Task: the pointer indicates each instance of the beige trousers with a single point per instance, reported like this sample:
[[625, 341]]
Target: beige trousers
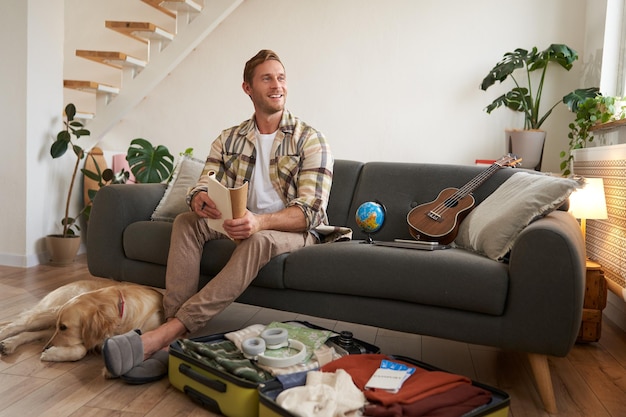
[[189, 233]]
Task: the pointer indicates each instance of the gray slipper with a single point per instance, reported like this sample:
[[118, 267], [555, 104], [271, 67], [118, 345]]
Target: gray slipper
[[123, 352], [152, 369]]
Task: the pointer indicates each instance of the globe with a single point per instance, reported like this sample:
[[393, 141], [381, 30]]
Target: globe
[[370, 217]]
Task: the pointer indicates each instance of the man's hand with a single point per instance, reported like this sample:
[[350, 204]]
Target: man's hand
[[290, 219], [243, 227], [203, 206]]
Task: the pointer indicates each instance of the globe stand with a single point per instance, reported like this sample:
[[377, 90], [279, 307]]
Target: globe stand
[[369, 239]]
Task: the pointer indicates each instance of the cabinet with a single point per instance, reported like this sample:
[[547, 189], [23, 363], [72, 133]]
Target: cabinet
[[594, 303]]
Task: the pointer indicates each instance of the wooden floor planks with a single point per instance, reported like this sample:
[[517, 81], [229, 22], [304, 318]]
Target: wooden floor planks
[[589, 382]]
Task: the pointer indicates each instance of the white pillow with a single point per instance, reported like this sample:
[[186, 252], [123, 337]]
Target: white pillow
[[173, 201], [492, 227]]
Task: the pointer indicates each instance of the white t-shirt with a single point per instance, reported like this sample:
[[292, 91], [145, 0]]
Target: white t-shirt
[[262, 197]]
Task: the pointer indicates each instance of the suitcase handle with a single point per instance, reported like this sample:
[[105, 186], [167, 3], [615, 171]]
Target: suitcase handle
[[206, 402], [211, 383]]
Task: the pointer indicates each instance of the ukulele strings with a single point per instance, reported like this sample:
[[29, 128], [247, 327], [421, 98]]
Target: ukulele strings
[[465, 190]]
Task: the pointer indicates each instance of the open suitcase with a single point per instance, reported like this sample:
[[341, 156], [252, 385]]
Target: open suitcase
[[222, 392], [497, 407]]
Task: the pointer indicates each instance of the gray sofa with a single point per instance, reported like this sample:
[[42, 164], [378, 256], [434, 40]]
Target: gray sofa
[[532, 303]]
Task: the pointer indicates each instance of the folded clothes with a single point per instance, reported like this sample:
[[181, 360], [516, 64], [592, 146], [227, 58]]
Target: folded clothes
[[455, 402], [324, 395], [420, 385], [224, 356]]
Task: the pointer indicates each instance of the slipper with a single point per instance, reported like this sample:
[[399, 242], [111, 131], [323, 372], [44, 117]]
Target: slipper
[[152, 369], [122, 352]]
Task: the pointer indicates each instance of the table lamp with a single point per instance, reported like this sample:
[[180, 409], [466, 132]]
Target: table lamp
[[588, 202]]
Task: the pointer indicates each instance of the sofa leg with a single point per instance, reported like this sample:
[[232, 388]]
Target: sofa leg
[[541, 372]]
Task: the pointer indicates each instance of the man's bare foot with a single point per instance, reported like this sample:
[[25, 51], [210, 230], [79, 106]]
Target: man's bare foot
[[161, 337]]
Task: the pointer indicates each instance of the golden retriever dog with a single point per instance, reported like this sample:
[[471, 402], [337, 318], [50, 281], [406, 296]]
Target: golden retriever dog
[[77, 318]]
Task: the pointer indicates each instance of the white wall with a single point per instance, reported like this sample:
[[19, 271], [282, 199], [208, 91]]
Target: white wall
[[13, 117], [30, 104], [394, 81]]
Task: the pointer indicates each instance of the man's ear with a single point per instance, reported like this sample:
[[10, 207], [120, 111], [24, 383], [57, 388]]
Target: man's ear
[[246, 88]]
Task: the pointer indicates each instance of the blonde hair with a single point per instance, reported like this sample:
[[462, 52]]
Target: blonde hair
[[262, 56]]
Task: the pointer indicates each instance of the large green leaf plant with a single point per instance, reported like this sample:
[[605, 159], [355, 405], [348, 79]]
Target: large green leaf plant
[[148, 163], [526, 96], [64, 141]]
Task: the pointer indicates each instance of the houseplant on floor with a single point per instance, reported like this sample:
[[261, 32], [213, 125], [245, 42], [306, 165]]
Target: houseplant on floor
[[526, 99], [63, 247]]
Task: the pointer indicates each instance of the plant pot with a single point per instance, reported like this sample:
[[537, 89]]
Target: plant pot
[[62, 250], [528, 145]]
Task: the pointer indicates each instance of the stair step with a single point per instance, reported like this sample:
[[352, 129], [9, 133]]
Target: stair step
[[90, 86], [84, 115], [141, 31], [169, 7], [117, 60]]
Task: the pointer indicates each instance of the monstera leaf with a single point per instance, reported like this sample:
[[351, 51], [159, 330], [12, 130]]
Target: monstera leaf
[[518, 66], [149, 164]]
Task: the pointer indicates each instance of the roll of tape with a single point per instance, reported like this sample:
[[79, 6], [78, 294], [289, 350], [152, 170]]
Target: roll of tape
[[286, 361], [253, 346], [275, 338]]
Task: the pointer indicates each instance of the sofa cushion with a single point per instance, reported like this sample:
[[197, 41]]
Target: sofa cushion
[[185, 176], [492, 227], [403, 186], [345, 177], [451, 278]]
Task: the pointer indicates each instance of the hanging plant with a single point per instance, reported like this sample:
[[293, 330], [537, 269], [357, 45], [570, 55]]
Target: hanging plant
[[589, 112]]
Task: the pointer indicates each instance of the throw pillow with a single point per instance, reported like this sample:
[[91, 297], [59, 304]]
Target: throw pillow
[[173, 202], [492, 227]]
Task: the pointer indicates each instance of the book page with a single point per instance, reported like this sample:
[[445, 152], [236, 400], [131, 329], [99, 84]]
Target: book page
[[231, 202]]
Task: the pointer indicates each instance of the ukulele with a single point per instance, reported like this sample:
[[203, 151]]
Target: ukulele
[[438, 221]]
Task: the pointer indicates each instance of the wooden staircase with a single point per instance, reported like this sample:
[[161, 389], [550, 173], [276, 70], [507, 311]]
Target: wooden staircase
[[194, 21]]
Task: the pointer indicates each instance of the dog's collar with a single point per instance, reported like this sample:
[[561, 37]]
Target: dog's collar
[[120, 304]]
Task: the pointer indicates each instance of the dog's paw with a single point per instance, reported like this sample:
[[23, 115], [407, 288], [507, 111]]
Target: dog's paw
[[54, 354], [48, 356], [63, 353], [6, 347]]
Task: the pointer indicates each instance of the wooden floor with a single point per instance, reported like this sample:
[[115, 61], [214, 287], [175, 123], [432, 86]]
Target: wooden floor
[[589, 382]]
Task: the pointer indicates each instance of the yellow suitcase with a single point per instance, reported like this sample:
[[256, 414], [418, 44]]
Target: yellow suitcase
[[221, 392]]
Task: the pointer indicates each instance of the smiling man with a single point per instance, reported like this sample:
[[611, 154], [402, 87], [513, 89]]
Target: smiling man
[[288, 166]]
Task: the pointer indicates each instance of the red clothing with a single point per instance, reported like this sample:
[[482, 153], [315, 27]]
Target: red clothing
[[420, 385], [458, 401]]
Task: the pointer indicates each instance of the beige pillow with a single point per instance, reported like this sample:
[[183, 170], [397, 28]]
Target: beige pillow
[[173, 201], [492, 227]]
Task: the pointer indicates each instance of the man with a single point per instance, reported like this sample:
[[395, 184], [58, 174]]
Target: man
[[288, 165]]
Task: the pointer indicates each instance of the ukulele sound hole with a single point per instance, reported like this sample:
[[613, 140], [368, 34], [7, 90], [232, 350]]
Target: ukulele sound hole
[[451, 203]]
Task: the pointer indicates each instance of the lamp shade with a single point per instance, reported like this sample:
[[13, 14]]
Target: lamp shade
[[589, 201]]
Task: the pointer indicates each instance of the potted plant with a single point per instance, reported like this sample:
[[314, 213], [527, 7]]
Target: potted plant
[[63, 247], [148, 163], [589, 112], [526, 99]]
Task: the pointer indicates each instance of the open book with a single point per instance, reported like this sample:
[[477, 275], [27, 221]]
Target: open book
[[231, 202]]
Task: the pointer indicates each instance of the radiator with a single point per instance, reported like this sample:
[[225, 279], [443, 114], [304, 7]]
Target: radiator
[[606, 239]]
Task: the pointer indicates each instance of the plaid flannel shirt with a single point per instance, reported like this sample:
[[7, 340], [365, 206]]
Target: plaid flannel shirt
[[301, 168]]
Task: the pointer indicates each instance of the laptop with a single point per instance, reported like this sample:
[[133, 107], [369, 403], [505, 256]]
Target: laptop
[[413, 244]]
